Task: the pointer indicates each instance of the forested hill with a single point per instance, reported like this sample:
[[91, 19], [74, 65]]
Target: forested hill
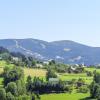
[[64, 51]]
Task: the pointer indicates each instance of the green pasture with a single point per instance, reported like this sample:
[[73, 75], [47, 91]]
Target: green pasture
[[93, 69], [76, 76], [65, 96]]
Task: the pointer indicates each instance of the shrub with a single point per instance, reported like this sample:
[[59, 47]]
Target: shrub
[[11, 87], [83, 89], [9, 96], [2, 94]]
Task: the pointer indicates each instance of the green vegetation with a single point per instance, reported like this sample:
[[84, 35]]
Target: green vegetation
[[95, 87], [65, 96], [41, 73], [67, 76], [25, 78], [14, 86]]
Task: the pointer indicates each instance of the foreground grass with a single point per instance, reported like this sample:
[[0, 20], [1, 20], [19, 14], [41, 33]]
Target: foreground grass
[[65, 96]]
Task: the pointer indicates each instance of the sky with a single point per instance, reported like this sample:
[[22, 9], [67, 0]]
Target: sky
[[51, 20]]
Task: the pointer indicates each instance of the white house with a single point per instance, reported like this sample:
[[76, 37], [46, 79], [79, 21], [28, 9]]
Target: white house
[[15, 58], [54, 80], [39, 65]]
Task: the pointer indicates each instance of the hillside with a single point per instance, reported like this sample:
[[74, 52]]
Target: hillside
[[64, 51]]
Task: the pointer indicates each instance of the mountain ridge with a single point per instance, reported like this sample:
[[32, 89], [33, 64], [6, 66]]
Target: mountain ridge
[[66, 51], [49, 41]]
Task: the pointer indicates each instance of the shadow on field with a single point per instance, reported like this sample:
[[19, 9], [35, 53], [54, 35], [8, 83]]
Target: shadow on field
[[87, 98]]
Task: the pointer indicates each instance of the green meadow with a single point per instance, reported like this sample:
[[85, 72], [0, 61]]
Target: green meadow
[[65, 96]]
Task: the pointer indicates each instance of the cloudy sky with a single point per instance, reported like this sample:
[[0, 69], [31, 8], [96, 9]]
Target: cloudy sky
[[50, 20]]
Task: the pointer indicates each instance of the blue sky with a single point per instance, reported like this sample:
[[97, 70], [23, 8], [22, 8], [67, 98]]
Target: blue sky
[[50, 20]]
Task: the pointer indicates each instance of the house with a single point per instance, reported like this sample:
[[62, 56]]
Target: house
[[0, 58], [15, 58], [76, 65], [73, 68], [82, 65], [53, 80], [46, 62], [39, 65]]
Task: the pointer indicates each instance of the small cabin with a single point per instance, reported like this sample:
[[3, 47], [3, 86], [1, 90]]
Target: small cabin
[[0, 58], [39, 65], [46, 62], [53, 80], [73, 68], [15, 58]]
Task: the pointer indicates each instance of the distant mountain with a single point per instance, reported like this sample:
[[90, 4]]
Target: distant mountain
[[64, 51]]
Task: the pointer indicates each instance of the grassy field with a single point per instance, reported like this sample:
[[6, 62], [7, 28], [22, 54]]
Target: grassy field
[[76, 76], [65, 96], [34, 72], [92, 69], [3, 64]]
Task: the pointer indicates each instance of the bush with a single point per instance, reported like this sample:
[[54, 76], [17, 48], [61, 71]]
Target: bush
[[10, 96], [69, 89], [83, 89], [23, 97], [89, 73], [12, 75], [11, 87], [2, 94], [95, 87]]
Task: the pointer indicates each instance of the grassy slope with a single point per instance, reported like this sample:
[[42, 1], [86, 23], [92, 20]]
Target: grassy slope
[[64, 96]]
